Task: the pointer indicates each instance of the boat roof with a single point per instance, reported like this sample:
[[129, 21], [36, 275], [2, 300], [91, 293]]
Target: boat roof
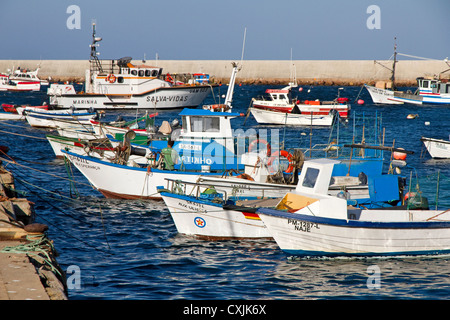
[[277, 91], [207, 113]]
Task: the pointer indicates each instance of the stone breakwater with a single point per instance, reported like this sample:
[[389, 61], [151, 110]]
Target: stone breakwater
[[275, 72]]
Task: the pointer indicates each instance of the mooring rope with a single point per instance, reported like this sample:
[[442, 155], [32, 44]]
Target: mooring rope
[[34, 247]]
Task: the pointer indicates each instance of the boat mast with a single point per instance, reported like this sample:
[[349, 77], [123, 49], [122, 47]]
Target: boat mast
[[229, 96], [94, 61], [393, 64]]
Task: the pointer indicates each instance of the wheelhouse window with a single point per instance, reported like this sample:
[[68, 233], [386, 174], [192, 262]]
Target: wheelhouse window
[[425, 83], [134, 72], [147, 73], [141, 73], [205, 124], [310, 177]]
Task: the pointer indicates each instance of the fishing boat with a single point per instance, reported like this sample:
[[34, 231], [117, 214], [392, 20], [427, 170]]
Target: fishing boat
[[309, 222], [7, 114], [226, 208], [282, 100], [266, 116], [197, 156], [7, 85], [205, 216], [120, 84], [46, 119], [204, 145], [430, 90], [20, 109], [24, 76], [437, 148]]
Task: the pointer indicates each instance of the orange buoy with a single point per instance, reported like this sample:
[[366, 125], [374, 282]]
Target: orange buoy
[[399, 155]]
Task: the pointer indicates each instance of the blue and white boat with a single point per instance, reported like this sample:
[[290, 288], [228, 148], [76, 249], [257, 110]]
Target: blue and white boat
[[47, 118], [225, 208], [310, 222], [205, 146]]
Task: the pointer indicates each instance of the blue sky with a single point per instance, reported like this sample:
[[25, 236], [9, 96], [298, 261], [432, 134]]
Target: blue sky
[[213, 30]]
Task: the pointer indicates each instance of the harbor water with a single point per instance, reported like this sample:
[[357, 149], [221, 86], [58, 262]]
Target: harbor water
[[130, 250]]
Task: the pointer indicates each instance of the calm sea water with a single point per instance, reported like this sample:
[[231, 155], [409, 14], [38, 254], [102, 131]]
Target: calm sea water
[[130, 250]]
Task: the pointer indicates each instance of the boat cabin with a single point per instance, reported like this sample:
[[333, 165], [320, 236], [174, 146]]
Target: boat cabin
[[207, 136], [282, 96], [432, 85], [319, 175], [205, 141]]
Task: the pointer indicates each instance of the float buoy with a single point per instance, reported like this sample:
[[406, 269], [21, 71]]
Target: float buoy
[[399, 155], [360, 101]]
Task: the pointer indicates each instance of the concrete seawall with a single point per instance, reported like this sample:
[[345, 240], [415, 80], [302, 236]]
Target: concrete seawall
[[326, 72]]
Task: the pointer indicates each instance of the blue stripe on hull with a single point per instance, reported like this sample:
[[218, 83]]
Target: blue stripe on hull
[[357, 223], [305, 253]]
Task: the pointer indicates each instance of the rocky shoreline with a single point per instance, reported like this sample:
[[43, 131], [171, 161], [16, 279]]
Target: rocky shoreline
[[275, 82]]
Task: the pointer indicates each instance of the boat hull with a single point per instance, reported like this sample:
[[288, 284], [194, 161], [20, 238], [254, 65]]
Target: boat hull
[[304, 235], [211, 221], [437, 148], [161, 98], [263, 116], [306, 109], [125, 182], [382, 96]]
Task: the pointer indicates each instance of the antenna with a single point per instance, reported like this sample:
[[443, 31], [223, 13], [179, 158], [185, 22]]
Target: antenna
[[243, 45]]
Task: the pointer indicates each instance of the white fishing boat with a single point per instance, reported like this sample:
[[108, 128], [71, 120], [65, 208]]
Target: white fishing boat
[[266, 116], [431, 90], [282, 100], [205, 218], [309, 222], [204, 145], [8, 115], [21, 109], [120, 84], [46, 119], [24, 76], [7, 85], [225, 207], [437, 148]]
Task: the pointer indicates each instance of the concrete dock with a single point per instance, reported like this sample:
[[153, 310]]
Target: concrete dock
[[28, 267], [318, 72]]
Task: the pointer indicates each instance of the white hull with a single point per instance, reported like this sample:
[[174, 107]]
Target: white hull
[[209, 221], [162, 98], [382, 96], [322, 109], [308, 221], [49, 119], [435, 98], [281, 118], [306, 235], [437, 148], [125, 182], [11, 116], [21, 87]]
